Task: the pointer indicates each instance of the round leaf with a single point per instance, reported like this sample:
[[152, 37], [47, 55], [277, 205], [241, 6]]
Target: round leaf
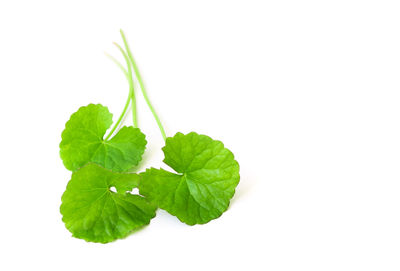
[[92, 211], [206, 178], [82, 141]]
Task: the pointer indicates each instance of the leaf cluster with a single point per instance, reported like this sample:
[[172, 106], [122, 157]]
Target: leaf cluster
[[98, 204]]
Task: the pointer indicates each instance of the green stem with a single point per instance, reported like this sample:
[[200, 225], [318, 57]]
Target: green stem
[[131, 88], [119, 65], [120, 117], [139, 78], [127, 101]]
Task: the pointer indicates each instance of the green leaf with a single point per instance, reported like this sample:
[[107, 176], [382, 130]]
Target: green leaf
[[82, 141], [93, 212], [206, 178]]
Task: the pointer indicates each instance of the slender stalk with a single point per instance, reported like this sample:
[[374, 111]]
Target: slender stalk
[[119, 65], [131, 88], [120, 117], [139, 78], [127, 101]]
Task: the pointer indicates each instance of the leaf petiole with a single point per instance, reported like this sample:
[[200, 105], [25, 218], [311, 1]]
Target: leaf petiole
[[128, 101], [139, 78], [131, 88], [119, 65], [131, 97]]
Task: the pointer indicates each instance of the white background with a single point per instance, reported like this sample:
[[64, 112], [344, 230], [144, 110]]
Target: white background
[[305, 93]]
